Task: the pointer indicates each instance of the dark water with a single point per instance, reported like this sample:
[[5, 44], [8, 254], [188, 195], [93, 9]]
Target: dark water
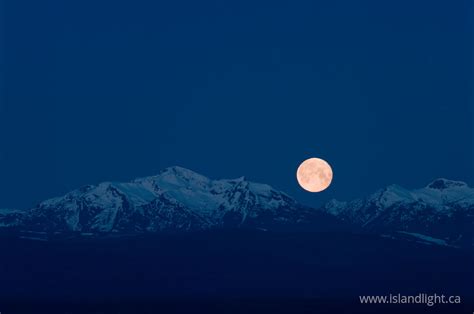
[[228, 272]]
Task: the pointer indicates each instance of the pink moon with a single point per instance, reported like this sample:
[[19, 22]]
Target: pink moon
[[314, 175]]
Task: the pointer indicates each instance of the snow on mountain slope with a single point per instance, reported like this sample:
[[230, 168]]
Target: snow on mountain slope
[[424, 239], [10, 217], [444, 209], [178, 199], [175, 199]]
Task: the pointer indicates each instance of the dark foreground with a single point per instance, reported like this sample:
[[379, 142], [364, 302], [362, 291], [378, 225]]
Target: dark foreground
[[229, 272], [223, 306]]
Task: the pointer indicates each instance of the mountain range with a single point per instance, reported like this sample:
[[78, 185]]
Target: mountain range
[[178, 200], [440, 213]]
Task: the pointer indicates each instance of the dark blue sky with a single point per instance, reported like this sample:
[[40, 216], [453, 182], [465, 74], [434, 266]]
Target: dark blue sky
[[113, 90]]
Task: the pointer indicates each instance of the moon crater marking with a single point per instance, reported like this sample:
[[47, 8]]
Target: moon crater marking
[[314, 175]]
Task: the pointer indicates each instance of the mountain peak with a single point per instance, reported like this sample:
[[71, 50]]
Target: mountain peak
[[181, 171], [443, 211], [175, 199], [179, 176], [443, 184]]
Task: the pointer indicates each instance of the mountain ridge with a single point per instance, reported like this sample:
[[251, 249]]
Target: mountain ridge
[[179, 200], [176, 199], [442, 210]]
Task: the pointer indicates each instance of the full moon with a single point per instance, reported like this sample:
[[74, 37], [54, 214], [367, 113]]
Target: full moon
[[314, 175]]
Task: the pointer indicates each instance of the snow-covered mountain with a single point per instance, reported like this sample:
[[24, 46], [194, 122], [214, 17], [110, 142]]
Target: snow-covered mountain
[[442, 211], [177, 199]]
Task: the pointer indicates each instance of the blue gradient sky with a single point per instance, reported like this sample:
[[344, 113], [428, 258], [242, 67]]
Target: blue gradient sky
[[113, 90]]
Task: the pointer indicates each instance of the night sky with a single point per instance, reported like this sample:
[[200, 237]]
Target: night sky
[[96, 91]]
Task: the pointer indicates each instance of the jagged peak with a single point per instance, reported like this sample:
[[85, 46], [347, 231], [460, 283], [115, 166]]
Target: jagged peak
[[393, 189], [178, 176], [239, 179], [443, 184], [180, 171]]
